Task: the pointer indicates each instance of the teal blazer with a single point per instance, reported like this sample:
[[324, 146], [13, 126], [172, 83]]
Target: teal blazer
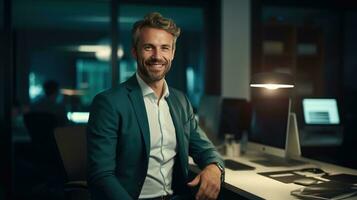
[[118, 140]]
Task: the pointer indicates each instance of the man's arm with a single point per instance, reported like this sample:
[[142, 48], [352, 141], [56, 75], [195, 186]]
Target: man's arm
[[206, 156], [101, 151], [201, 148]]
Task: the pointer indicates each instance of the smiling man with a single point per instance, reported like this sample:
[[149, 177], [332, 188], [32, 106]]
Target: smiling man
[[141, 132]]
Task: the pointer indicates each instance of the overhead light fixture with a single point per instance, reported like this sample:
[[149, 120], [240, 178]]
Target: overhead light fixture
[[272, 80], [102, 52]]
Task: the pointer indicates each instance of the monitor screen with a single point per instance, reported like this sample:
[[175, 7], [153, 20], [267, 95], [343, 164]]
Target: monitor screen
[[235, 116], [320, 111], [209, 112], [269, 124], [78, 117]]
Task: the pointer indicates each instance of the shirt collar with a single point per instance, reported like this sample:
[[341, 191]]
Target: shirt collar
[[147, 90]]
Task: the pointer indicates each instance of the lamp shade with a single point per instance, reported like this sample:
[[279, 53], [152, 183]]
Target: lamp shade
[[272, 80]]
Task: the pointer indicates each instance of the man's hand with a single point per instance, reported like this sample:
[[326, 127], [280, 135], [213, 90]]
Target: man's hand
[[210, 183]]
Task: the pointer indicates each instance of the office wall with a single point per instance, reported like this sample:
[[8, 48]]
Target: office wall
[[350, 49], [5, 134], [2, 95], [1, 13], [2, 71], [2, 113], [236, 48], [350, 86], [5, 101]]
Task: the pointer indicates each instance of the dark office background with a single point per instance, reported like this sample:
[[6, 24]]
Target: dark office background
[[39, 40], [336, 24]]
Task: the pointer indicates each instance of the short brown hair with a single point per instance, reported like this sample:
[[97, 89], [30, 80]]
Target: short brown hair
[[155, 20]]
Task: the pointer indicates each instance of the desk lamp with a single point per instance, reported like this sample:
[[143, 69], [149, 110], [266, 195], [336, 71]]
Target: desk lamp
[[274, 84], [272, 80]]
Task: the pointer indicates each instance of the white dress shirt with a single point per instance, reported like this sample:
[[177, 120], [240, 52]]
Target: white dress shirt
[[158, 180]]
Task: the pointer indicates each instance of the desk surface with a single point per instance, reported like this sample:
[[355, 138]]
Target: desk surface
[[251, 185]]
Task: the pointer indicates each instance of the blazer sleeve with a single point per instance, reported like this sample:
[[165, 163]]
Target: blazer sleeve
[[201, 148], [102, 136]]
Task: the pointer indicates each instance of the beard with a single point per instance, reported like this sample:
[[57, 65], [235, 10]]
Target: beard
[[148, 72]]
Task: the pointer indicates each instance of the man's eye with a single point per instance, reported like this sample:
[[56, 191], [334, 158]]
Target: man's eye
[[165, 48], [147, 48]]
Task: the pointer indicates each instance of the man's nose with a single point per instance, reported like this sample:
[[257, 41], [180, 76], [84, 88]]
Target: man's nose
[[156, 53]]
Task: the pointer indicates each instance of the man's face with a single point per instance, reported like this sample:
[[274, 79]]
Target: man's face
[[154, 54]]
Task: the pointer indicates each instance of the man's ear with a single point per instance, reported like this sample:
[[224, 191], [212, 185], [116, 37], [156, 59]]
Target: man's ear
[[134, 53]]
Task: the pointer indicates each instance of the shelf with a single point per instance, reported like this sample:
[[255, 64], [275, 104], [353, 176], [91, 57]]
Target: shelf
[[282, 55], [297, 50]]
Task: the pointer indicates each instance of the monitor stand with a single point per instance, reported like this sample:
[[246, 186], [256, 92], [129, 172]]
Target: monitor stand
[[293, 140]]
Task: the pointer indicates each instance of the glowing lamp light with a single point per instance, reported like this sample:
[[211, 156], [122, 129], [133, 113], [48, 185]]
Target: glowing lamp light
[[271, 86], [102, 52], [272, 80]]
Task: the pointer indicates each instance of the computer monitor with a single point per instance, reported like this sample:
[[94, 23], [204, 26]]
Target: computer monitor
[[320, 112], [78, 117], [270, 126], [235, 116], [321, 122], [209, 112]]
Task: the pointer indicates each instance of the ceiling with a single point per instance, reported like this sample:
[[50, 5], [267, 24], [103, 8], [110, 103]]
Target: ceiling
[[94, 15], [342, 5]]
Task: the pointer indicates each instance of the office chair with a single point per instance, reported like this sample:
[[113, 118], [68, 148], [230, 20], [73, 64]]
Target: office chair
[[72, 145], [40, 126], [46, 168]]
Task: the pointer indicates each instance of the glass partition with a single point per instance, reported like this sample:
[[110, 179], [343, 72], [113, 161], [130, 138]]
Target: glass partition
[[64, 43]]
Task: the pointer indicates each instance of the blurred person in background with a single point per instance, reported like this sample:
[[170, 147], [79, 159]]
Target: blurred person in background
[[51, 103]]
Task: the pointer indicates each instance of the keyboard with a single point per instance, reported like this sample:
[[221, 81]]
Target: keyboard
[[275, 161], [234, 165]]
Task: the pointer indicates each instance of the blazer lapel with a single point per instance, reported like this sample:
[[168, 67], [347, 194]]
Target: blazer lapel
[[136, 97], [174, 111]]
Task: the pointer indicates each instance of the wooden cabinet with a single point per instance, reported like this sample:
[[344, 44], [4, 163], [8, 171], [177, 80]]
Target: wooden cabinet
[[278, 48], [297, 50], [309, 61]]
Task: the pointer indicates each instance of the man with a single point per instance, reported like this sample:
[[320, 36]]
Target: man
[[141, 132]]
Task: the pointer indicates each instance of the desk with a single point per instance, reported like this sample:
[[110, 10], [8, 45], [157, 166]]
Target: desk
[[250, 185]]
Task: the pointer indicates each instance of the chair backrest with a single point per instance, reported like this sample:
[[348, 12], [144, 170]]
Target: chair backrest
[[38, 123], [72, 145], [40, 126]]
